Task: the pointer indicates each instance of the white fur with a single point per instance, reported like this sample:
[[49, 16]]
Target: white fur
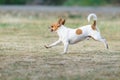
[[69, 36]]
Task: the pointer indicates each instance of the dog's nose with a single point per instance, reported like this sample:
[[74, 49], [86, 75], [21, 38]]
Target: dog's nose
[[51, 30]]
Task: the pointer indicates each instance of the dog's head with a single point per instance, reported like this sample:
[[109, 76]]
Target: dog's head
[[56, 25]]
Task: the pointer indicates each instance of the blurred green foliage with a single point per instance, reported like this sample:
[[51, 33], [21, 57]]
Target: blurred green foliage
[[63, 2], [54, 2], [13, 1], [85, 2]]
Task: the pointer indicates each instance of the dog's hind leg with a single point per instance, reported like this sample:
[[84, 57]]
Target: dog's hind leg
[[101, 40], [104, 41]]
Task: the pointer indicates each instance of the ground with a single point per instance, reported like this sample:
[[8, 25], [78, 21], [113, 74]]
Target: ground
[[23, 56]]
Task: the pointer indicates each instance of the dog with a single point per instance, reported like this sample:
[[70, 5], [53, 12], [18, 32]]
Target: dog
[[72, 36]]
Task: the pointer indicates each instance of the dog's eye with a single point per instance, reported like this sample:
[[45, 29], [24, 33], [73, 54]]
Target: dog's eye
[[51, 26]]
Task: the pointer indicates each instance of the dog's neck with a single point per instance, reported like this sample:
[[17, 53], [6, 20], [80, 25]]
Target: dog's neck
[[61, 30]]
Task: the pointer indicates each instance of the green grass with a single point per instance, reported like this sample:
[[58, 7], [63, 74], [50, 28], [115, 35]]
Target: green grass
[[23, 56]]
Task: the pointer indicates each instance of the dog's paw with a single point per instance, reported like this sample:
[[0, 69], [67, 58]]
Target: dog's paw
[[46, 46]]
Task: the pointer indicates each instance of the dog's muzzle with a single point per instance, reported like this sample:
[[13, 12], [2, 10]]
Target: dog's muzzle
[[51, 30]]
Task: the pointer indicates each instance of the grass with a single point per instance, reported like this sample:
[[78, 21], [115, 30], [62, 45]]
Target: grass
[[23, 56]]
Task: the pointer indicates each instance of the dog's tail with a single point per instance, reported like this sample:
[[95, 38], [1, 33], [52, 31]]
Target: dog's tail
[[92, 15], [94, 18]]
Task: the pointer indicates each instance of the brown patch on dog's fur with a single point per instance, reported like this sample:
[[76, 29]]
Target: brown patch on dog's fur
[[94, 25], [78, 31]]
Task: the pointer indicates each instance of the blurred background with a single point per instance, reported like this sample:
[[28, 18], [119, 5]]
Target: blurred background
[[62, 2]]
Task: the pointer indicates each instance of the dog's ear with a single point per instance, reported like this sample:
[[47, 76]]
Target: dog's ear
[[61, 21]]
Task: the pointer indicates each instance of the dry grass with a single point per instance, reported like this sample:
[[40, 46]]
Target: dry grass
[[23, 56]]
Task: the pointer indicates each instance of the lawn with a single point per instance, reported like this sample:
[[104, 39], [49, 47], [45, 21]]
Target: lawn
[[23, 56]]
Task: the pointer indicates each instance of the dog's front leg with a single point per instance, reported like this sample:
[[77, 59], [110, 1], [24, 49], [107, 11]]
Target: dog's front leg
[[65, 47], [53, 44]]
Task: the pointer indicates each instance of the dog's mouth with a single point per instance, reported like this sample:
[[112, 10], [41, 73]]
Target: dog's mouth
[[51, 30]]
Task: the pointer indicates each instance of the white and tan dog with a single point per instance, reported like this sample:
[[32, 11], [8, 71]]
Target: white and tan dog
[[72, 36]]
